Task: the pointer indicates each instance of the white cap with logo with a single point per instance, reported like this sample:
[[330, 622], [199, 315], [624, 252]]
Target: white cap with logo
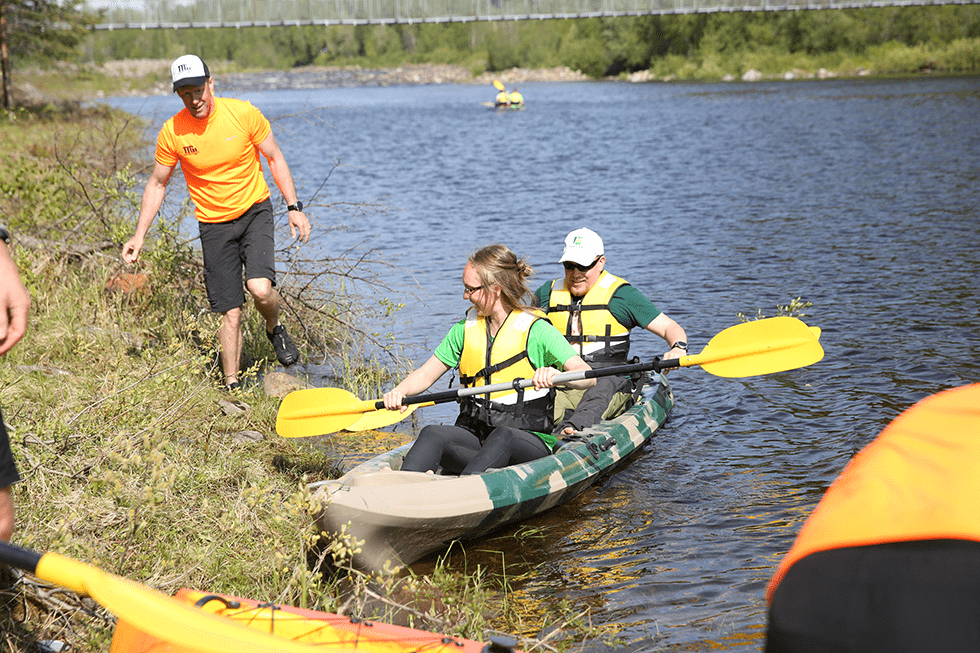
[[189, 70], [582, 246]]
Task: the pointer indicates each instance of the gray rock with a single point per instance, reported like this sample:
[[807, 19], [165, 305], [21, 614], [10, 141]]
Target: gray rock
[[279, 384], [247, 436], [233, 406]]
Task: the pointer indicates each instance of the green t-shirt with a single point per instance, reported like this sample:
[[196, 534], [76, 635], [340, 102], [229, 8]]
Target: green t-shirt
[[628, 305]]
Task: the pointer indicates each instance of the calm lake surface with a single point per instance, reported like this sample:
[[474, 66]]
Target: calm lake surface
[[862, 197]]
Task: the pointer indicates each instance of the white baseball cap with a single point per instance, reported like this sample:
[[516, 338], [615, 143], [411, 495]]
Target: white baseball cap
[[582, 246], [189, 70]]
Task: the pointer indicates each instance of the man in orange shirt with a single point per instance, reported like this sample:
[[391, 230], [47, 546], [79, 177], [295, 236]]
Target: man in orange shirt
[[217, 142]]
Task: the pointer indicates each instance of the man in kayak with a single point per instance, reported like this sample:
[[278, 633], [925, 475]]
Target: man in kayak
[[515, 98], [15, 304], [502, 99], [596, 311], [217, 142], [890, 558], [501, 340]]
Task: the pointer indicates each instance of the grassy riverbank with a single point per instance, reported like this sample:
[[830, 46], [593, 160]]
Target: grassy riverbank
[[129, 459], [132, 458]]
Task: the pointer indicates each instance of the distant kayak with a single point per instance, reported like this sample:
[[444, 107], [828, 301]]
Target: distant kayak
[[505, 107]]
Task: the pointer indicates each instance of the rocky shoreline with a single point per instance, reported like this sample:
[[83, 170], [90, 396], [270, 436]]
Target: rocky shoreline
[[135, 77], [422, 74], [312, 77]]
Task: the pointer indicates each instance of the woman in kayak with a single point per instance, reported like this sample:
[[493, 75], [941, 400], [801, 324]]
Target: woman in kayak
[[501, 340]]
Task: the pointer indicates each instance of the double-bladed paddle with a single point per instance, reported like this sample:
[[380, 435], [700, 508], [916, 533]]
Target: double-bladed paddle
[[148, 610], [379, 419], [761, 347]]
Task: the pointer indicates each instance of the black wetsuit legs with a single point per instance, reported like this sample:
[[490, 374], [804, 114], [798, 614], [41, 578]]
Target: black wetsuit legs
[[507, 446], [438, 444]]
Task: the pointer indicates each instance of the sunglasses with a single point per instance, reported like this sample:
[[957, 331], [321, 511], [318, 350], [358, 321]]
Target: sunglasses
[[468, 290], [581, 268]]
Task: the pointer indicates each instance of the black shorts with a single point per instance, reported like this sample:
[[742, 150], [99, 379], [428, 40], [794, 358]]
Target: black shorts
[[247, 242], [8, 469]]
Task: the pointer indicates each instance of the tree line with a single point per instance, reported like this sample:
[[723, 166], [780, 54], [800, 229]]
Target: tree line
[[896, 39], [596, 46]]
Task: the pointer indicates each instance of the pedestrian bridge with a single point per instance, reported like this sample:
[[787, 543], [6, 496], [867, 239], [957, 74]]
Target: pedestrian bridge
[[178, 14]]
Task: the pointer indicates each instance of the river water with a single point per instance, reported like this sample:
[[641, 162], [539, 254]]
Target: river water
[[862, 197]]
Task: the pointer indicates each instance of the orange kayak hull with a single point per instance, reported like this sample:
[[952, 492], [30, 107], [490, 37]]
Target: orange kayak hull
[[322, 631]]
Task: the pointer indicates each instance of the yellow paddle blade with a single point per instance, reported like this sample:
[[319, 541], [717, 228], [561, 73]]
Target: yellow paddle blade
[[498, 85], [816, 331], [318, 411], [162, 616], [379, 419], [765, 346]]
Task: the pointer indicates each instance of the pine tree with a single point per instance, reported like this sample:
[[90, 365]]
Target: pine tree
[[39, 31]]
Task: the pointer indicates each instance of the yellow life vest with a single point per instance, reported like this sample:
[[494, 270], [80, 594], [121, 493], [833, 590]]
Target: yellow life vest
[[503, 98], [486, 361], [603, 338], [516, 98]]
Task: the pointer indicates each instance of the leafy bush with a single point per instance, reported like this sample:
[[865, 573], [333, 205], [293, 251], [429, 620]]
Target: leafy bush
[[961, 56]]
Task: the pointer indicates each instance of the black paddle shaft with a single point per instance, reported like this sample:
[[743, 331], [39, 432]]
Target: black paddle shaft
[[453, 395]]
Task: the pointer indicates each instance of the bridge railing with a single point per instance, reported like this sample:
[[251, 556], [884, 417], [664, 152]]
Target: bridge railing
[[168, 14]]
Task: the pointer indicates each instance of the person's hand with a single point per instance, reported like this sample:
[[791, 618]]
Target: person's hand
[[299, 222], [131, 249], [395, 400], [15, 303], [544, 377], [676, 352]]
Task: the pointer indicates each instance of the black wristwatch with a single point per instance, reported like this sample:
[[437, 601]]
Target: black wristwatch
[[680, 344], [298, 206], [4, 234]]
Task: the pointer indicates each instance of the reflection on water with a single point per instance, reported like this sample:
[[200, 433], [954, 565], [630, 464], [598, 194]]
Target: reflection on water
[[714, 199]]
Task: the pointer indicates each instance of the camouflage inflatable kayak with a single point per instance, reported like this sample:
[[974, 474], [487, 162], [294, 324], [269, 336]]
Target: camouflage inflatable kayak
[[403, 516]]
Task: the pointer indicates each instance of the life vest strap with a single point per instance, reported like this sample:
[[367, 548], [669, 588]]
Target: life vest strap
[[490, 370], [568, 308]]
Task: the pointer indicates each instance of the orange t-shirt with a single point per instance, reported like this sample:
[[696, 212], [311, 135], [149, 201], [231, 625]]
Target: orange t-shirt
[[918, 480], [219, 157]]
